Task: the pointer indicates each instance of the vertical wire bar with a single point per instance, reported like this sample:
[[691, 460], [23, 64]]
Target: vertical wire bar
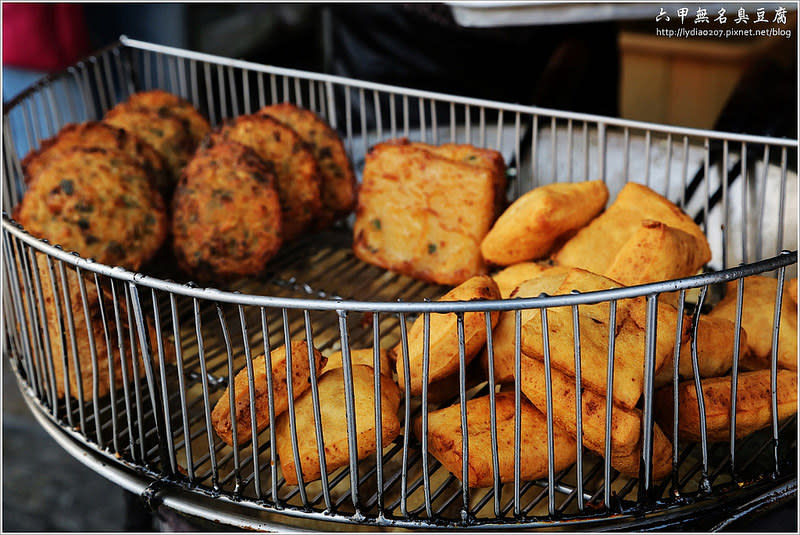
[[201, 357], [12, 323], [706, 182], [467, 125], [406, 121], [586, 150], [176, 332], [517, 157], [92, 353], [498, 142], [212, 112], [226, 338], [223, 99], [16, 286], [612, 322], [262, 96], [781, 201], [553, 150], [426, 359], [668, 167], [47, 353], [60, 330], [626, 158], [251, 385], [112, 90], [312, 96], [462, 390], [725, 218], [549, 404], [323, 108], [493, 415], [350, 405], [745, 187], [330, 114], [159, 69], [47, 110], [434, 125], [735, 369], [234, 96], [123, 367], [285, 87], [601, 150], [11, 159], [136, 377], [704, 482], [273, 89], [148, 71], [194, 87], [273, 463], [298, 94], [684, 171], [422, 125], [35, 377], [173, 74], [88, 101], [110, 361], [101, 92], [676, 361], [517, 407], [452, 122], [162, 365], [763, 203], [55, 110], [125, 74], [323, 464], [649, 371], [647, 147], [773, 368], [301, 486], [482, 126], [407, 418], [378, 114], [576, 335], [182, 85], [363, 113], [348, 117], [393, 114], [376, 360], [569, 151]]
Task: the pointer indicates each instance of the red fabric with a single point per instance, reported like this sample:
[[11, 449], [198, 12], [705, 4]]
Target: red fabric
[[43, 36]]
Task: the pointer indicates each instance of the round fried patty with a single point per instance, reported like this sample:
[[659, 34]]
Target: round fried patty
[[167, 103], [295, 167], [226, 218], [338, 187], [100, 135], [98, 202]]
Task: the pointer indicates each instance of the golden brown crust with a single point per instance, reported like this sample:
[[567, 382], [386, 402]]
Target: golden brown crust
[[445, 440], [296, 169], [167, 134], [444, 347], [301, 373], [95, 134], [99, 203], [334, 423], [534, 223], [410, 219], [338, 181], [226, 215], [169, 104]]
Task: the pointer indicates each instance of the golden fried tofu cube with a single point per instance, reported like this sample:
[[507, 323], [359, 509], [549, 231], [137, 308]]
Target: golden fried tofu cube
[[423, 215]]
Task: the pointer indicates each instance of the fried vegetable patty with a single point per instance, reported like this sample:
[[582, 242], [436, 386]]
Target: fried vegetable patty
[[98, 202], [226, 213], [169, 104]]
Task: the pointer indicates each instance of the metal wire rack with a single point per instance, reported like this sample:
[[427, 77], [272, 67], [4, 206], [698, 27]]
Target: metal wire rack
[[153, 434]]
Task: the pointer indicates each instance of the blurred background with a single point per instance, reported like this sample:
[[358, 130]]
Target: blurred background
[[609, 59]]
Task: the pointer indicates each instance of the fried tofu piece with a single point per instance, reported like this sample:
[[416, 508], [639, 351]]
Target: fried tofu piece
[[791, 286], [758, 313], [512, 276], [361, 356], [753, 405], [504, 333], [596, 245], [629, 463], [423, 215], [338, 185], [445, 440], [715, 345], [334, 422], [444, 347], [95, 134], [292, 161], [538, 220], [166, 103], [301, 374], [655, 252]]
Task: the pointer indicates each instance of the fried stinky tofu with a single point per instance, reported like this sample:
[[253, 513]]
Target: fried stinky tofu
[[423, 215], [294, 165], [715, 348], [170, 104], [338, 186], [334, 423], [655, 252], [361, 356], [661, 461], [226, 215], [301, 381], [101, 135], [512, 276], [485, 158], [753, 405], [99, 203], [758, 313], [595, 246], [504, 333], [534, 223], [444, 346], [167, 134], [445, 440]]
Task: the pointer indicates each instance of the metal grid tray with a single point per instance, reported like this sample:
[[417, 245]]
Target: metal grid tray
[[156, 428]]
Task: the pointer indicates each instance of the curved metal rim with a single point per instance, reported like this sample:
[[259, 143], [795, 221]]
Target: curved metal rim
[[784, 259], [201, 504]]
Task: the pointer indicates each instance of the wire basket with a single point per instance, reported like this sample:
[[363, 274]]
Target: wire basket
[[153, 435]]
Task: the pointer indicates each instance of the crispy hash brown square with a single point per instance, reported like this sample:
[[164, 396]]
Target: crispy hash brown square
[[423, 215]]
